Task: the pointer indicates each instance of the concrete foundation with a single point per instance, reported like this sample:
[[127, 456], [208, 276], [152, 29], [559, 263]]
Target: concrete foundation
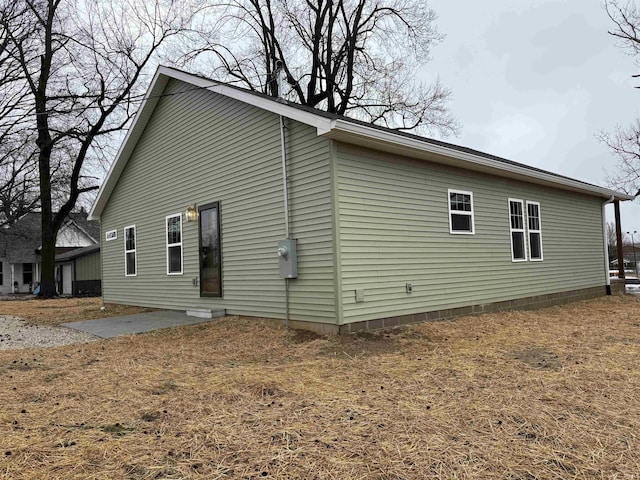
[[527, 303]]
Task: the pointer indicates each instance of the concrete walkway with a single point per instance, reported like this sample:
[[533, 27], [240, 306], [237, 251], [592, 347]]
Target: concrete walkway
[[139, 323]]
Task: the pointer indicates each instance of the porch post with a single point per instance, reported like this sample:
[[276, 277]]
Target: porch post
[[616, 208]]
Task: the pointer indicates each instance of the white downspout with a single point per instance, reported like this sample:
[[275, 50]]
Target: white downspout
[[285, 189], [285, 194], [606, 244]]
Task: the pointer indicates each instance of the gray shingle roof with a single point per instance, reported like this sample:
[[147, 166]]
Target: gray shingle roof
[[77, 252], [20, 241]]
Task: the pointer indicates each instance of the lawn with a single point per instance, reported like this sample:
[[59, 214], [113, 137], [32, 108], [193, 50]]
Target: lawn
[[552, 394], [53, 312]]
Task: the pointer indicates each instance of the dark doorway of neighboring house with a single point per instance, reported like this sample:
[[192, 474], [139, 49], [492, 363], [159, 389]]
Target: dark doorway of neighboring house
[[59, 279], [210, 261]]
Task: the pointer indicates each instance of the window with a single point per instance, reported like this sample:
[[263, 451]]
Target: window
[[210, 258], [174, 244], [27, 273], [516, 219], [130, 257], [1, 277], [535, 231], [461, 212]]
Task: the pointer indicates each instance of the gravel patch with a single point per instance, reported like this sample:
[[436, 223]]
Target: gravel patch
[[14, 334]]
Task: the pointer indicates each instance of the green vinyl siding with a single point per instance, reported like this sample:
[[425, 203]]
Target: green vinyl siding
[[88, 267], [200, 147], [312, 294], [394, 229]]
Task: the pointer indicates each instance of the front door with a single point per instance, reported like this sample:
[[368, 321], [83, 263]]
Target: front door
[[210, 258]]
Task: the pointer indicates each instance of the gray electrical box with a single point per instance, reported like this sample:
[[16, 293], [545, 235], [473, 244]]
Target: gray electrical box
[[288, 258]]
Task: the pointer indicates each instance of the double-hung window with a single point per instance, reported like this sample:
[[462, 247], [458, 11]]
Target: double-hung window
[[535, 231], [516, 224], [461, 212], [174, 244], [130, 256]]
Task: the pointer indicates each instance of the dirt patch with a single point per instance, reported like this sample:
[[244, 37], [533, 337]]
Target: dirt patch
[[304, 336], [358, 344], [361, 344], [538, 357]]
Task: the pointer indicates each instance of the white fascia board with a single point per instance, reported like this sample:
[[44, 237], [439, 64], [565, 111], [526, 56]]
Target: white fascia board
[[474, 162], [269, 104]]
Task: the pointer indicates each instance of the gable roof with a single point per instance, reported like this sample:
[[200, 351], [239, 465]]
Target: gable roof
[[90, 228], [343, 129]]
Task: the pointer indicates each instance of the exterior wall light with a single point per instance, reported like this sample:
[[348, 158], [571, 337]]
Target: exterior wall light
[[191, 214]]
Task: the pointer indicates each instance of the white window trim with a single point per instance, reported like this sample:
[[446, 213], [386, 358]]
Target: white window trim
[[539, 232], [523, 230], [166, 239], [135, 250], [460, 212]]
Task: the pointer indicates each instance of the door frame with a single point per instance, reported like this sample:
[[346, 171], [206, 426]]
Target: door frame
[[208, 206]]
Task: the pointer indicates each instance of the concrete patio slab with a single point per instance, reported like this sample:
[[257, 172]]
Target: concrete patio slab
[[139, 323]]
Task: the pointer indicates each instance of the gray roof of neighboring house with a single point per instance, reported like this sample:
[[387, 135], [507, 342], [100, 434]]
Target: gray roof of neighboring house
[[20, 241], [77, 252]]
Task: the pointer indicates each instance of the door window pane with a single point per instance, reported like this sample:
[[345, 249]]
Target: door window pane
[[210, 258]]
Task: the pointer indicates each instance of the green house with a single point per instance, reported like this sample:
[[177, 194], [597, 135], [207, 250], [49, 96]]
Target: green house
[[384, 227]]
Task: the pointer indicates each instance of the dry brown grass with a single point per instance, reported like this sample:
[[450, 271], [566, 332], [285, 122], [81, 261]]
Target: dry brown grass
[[553, 394], [61, 310]]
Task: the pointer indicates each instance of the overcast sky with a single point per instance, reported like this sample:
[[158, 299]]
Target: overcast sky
[[534, 81]]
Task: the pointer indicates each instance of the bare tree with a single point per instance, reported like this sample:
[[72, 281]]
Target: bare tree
[[625, 142], [79, 64], [18, 192], [18, 182], [612, 240], [349, 57]]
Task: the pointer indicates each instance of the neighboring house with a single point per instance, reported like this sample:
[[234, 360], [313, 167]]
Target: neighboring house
[[390, 227], [78, 271], [20, 246]]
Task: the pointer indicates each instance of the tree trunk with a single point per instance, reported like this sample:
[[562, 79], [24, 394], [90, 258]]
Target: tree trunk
[[48, 259]]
